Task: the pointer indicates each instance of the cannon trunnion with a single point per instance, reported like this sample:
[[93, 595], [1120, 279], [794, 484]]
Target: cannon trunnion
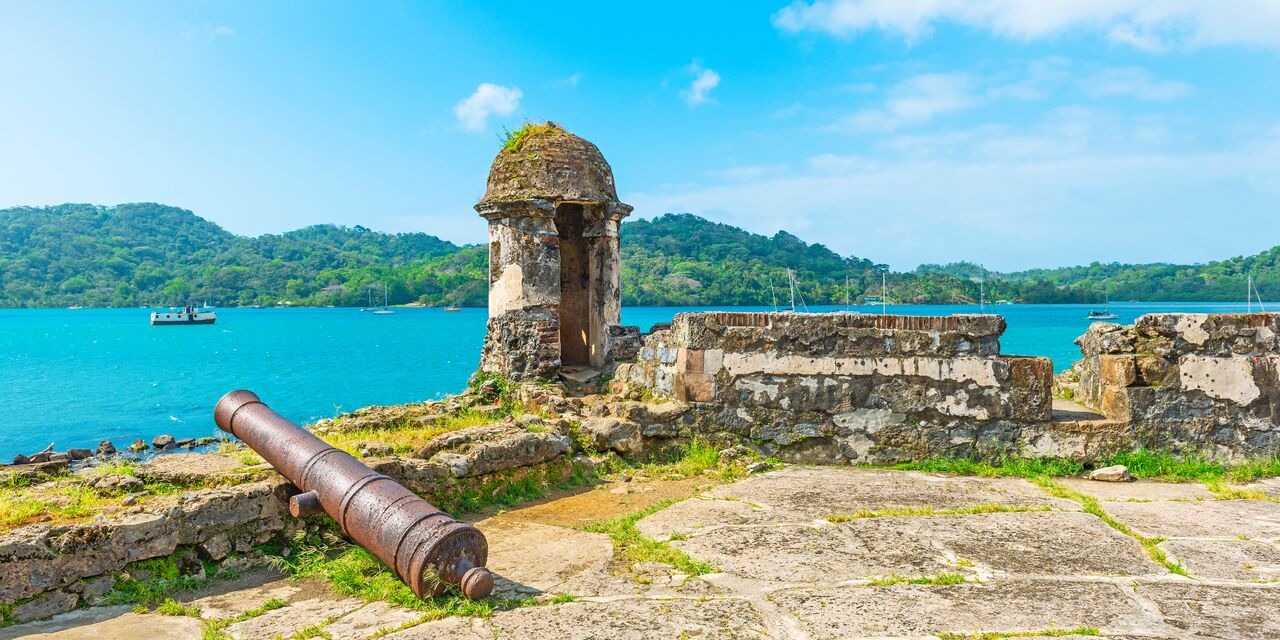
[[424, 546]]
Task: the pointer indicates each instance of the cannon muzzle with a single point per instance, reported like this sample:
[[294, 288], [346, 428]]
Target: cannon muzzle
[[424, 546]]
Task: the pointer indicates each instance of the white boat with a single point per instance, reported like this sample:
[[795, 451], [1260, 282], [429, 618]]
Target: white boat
[[383, 310], [1101, 315], [452, 308], [189, 314]]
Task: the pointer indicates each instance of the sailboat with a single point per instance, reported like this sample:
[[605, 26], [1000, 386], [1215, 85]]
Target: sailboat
[[383, 310], [1250, 293]]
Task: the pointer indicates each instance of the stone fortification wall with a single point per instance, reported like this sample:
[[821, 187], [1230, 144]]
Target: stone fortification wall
[[1188, 381], [845, 387]]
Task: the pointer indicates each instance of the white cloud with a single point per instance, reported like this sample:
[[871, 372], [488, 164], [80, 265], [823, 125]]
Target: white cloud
[[488, 100], [704, 80], [223, 31], [1151, 25], [916, 100], [571, 81], [1077, 186], [1135, 82]]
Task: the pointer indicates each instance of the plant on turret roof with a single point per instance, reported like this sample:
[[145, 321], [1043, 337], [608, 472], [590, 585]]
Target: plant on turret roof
[[512, 140]]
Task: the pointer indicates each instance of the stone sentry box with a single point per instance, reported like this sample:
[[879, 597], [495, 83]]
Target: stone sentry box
[[1208, 383], [554, 295], [847, 387]]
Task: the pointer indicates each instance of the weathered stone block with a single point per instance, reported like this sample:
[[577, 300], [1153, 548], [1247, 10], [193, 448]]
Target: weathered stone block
[[1117, 370]]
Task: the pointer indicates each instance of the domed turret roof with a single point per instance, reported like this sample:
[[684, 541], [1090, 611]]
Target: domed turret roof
[[544, 161]]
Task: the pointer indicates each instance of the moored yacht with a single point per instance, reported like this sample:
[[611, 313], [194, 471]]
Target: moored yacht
[[189, 314]]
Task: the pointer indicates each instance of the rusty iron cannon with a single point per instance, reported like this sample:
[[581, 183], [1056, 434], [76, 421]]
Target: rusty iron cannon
[[424, 546]]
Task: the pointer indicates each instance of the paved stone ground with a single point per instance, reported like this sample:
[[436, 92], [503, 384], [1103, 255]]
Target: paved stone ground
[[1033, 565]]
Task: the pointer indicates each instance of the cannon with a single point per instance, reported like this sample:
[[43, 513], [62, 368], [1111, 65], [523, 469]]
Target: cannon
[[425, 547]]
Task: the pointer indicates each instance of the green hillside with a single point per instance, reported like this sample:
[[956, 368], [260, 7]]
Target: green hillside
[[136, 254]]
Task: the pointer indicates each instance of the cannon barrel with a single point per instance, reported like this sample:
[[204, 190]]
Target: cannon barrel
[[425, 547]]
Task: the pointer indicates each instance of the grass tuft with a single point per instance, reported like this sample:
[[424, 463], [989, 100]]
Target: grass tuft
[[947, 578], [637, 547], [171, 607], [986, 507], [1047, 633]]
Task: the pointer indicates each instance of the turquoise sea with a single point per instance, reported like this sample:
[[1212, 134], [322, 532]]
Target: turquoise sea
[[75, 377]]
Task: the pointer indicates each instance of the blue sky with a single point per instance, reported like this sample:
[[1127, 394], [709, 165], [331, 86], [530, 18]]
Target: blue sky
[[1015, 133]]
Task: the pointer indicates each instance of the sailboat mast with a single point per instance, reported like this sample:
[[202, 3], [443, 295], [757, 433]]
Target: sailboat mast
[[884, 291], [791, 282], [773, 295]]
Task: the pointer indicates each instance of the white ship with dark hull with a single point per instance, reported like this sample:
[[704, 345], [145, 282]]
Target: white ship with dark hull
[[189, 314]]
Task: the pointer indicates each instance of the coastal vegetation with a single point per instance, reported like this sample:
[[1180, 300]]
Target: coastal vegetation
[[150, 254]]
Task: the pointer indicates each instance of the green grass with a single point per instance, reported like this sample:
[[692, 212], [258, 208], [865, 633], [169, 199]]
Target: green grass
[[1002, 467], [1143, 463], [513, 140], [160, 586], [947, 578], [986, 507], [1051, 633], [1091, 506], [353, 571], [170, 607], [637, 547], [215, 629]]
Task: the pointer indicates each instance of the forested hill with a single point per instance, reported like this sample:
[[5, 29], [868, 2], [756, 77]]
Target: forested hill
[[135, 254]]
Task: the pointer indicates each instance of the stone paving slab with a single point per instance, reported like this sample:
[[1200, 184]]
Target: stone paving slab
[[1032, 543], [1246, 560], [371, 619], [531, 558], [446, 629], [293, 618], [1224, 519], [1204, 611], [1140, 490], [801, 494], [232, 604], [632, 620], [905, 610], [130, 626], [827, 553]]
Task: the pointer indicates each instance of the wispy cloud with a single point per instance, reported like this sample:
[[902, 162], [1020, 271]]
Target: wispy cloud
[[1134, 82], [571, 81], [916, 100], [474, 111], [1150, 25], [1076, 186], [207, 32], [699, 90]]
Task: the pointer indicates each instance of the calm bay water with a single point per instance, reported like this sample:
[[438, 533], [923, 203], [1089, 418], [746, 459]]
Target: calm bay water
[[77, 377]]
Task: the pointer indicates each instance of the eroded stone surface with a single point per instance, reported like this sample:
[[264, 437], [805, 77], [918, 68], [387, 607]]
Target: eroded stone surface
[[189, 468], [1248, 560], [804, 494], [234, 603], [1003, 607], [824, 553], [1206, 519], [1032, 543], [633, 620], [370, 620], [1204, 611], [124, 626], [534, 558], [294, 617]]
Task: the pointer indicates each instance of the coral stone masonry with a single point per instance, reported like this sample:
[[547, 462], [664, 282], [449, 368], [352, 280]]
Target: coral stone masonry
[[554, 298], [1188, 381]]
